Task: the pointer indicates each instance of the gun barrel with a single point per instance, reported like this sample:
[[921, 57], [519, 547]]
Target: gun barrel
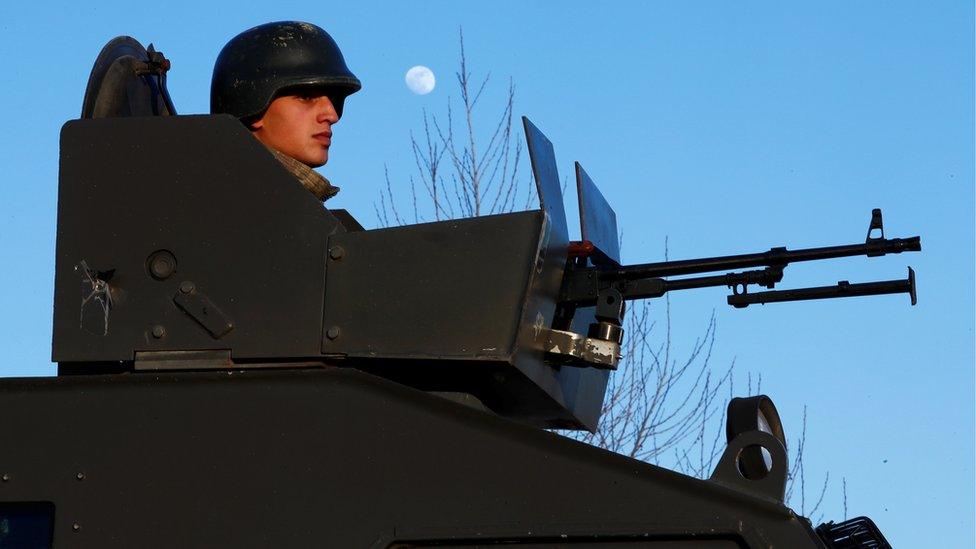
[[776, 257]]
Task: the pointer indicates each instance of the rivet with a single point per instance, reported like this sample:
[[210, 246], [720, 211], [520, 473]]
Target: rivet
[[162, 264], [76, 527], [158, 331], [80, 476], [186, 286], [333, 332], [5, 477], [336, 252]]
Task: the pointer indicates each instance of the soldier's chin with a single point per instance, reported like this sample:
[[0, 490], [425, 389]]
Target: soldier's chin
[[316, 160]]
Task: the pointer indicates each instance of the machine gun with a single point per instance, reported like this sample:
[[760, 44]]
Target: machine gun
[[585, 285], [239, 366], [594, 276]]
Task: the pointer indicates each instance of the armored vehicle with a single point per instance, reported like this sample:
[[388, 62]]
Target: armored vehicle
[[240, 367]]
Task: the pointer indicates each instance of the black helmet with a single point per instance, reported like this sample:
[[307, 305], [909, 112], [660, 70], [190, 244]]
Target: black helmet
[[259, 63]]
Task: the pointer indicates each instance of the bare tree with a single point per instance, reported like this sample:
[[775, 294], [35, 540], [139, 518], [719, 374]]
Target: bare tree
[[476, 181], [658, 403], [796, 488], [663, 405]]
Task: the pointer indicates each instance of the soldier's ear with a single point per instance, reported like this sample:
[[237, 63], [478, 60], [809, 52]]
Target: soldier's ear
[[255, 125]]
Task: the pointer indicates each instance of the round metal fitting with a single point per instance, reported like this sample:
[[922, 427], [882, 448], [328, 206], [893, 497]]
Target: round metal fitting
[[332, 332], [80, 476], [186, 286], [161, 264], [158, 331], [336, 252], [607, 332]]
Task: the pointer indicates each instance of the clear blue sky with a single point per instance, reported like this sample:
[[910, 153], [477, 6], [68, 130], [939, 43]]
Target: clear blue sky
[[725, 127]]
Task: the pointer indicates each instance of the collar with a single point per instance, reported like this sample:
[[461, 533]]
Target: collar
[[309, 178]]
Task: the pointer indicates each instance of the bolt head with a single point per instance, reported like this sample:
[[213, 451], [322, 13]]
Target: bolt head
[[158, 331], [80, 476], [161, 267], [162, 264], [336, 252], [333, 332], [5, 477], [186, 286]]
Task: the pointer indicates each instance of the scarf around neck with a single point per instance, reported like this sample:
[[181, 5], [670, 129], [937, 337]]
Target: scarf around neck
[[309, 178]]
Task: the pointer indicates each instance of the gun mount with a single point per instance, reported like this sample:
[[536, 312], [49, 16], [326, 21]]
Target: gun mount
[[230, 352]]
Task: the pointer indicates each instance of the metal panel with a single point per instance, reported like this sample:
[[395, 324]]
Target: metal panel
[[449, 300], [580, 391], [451, 290], [334, 458], [598, 222], [543, 160], [221, 211]]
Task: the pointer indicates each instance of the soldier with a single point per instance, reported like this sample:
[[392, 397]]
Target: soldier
[[287, 82]]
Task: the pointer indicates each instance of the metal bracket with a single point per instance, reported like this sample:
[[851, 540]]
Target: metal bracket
[[576, 350], [218, 359], [195, 304], [210, 359], [772, 485], [610, 306]]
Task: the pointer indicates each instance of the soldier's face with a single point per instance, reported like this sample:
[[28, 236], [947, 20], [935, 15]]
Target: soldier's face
[[299, 126]]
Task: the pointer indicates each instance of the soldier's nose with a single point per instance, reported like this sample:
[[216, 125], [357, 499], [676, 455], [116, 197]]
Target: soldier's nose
[[327, 111]]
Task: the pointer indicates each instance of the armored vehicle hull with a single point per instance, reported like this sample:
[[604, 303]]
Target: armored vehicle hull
[[337, 458]]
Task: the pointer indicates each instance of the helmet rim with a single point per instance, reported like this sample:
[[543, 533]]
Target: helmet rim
[[254, 68]]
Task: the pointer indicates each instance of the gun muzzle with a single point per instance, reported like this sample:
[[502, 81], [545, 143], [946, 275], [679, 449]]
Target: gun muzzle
[[911, 244]]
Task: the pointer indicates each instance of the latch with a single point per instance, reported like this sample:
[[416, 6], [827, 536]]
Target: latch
[[195, 304]]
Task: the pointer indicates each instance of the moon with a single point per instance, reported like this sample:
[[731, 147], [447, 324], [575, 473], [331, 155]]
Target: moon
[[420, 80]]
